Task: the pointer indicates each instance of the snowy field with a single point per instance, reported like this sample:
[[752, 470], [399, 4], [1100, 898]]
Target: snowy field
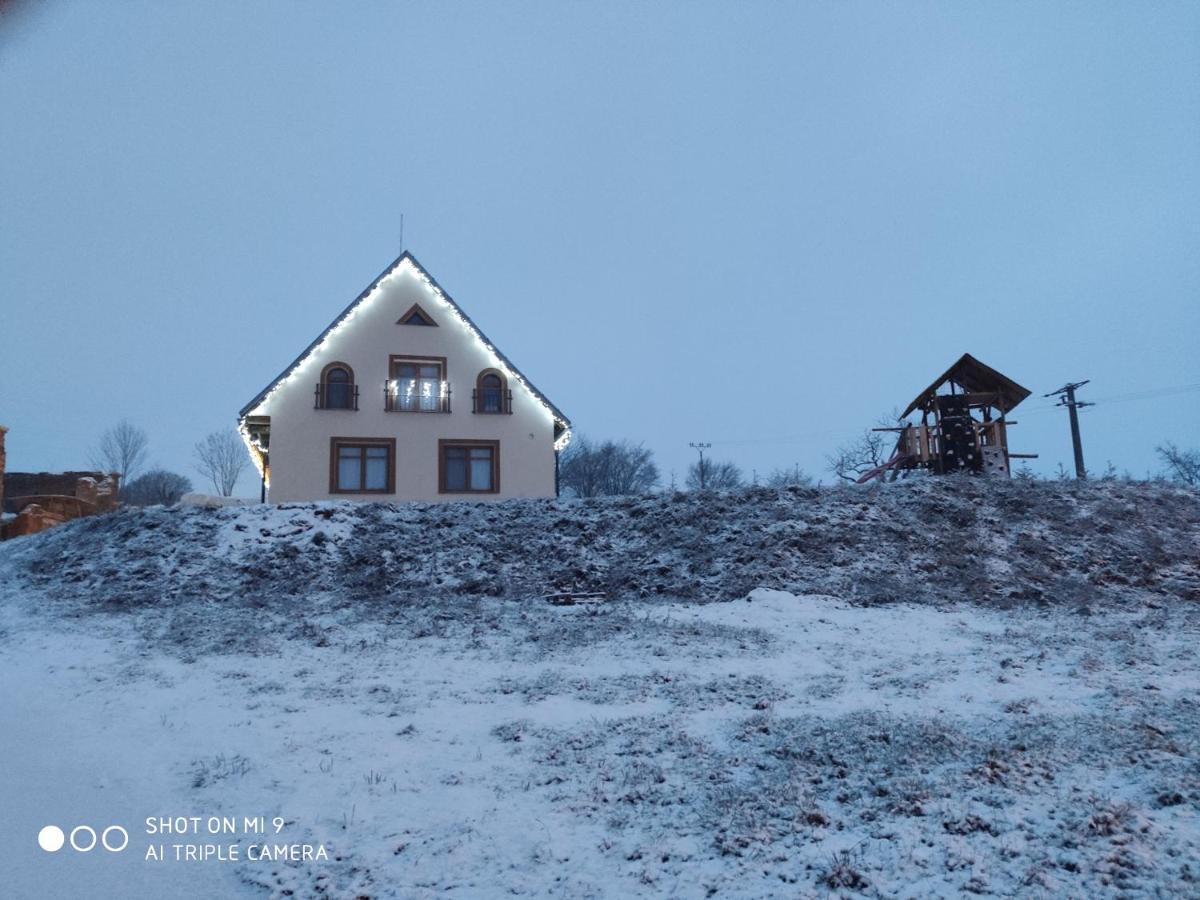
[[778, 744]]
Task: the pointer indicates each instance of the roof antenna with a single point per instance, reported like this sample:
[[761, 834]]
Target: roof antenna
[[401, 234]]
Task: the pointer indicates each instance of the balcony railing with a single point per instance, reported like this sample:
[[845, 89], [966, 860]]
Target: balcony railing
[[416, 396], [332, 395], [491, 401]]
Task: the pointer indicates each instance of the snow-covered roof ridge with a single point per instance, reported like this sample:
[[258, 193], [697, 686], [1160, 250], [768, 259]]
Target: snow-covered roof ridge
[[562, 423]]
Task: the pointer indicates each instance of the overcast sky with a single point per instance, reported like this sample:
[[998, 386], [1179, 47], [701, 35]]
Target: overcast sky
[[755, 224]]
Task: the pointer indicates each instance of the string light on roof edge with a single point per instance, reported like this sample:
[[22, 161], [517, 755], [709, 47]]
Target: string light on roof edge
[[256, 450], [498, 362], [563, 439]]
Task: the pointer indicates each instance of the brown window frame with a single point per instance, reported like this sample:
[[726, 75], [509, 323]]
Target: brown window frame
[[468, 444], [397, 359], [505, 395], [336, 443], [322, 399], [430, 321]]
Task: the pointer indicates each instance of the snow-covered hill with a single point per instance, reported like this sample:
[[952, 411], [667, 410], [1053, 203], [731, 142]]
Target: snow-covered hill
[[918, 690], [923, 541]]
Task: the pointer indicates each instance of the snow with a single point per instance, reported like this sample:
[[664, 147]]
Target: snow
[[213, 500], [780, 743]]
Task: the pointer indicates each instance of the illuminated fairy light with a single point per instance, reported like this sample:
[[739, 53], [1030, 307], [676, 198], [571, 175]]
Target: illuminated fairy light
[[498, 361], [257, 452], [429, 400]]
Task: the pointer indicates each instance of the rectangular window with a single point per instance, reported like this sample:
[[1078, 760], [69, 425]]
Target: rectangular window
[[362, 466], [376, 476], [418, 384], [469, 467]]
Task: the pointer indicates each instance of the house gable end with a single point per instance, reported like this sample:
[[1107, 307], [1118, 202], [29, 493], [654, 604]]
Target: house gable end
[[449, 306]]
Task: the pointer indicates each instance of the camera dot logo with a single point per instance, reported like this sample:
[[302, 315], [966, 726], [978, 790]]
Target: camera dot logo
[[114, 838], [51, 838], [109, 845], [78, 842]]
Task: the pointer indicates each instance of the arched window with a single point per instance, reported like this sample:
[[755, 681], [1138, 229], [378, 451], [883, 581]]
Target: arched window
[[491, 393], [337, 390]]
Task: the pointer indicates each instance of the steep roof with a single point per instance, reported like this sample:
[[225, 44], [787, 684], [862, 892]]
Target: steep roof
[[976, 378], [562, 423]]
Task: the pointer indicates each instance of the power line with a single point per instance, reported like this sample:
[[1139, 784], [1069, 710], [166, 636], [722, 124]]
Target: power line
[[1153, 392], [1150, 394], [797, 439]]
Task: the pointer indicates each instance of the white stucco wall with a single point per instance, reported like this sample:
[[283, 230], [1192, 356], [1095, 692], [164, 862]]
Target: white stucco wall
[[300, 434]]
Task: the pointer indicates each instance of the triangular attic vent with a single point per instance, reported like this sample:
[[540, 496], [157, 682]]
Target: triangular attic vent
[[416, 316]]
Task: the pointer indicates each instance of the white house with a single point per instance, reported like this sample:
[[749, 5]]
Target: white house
[[402, 397]]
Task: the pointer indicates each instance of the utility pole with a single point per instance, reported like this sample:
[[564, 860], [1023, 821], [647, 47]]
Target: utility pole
[[1066, 397], [700, 448]]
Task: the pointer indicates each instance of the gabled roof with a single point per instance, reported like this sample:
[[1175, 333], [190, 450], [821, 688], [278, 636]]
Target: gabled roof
[[562, 423], [976, 378]]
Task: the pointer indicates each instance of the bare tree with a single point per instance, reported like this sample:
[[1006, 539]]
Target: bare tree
[[795, 476], [1182, 465], [870, 449], [156, 486], [221, 458], [122, 449], [579, 469], [709, 475], [632, 469], [611, 468]]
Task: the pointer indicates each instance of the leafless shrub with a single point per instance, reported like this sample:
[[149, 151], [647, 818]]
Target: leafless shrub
[[793, 477], [220, 767], [1109, 819], [969, 825], [909, 798], [1182, 465], [158, 486], [608, 469], [710, 475], [512, 732], [842, 873]]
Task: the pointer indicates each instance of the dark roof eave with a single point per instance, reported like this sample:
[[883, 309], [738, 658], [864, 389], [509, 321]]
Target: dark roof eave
[[1011, 393], [245, 410], [249, 407]]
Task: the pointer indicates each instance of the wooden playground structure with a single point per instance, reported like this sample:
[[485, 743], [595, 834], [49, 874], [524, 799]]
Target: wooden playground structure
[[963, 428]]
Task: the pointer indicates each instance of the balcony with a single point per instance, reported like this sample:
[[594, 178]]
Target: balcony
[[335, 395], [491, 401], [421, 396]]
